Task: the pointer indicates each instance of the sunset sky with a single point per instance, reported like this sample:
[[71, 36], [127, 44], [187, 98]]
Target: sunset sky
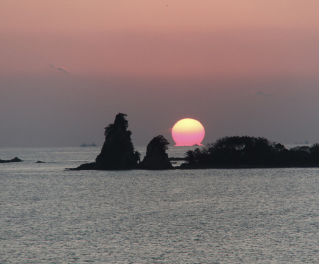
[[239, 67]]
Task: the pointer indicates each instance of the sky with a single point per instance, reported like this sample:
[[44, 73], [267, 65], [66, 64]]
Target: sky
[[239, 67]]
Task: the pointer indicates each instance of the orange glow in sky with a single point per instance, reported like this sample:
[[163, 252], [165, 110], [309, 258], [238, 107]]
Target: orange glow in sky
[[188, 132]]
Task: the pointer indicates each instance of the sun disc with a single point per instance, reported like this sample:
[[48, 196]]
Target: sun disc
[[188, 132]]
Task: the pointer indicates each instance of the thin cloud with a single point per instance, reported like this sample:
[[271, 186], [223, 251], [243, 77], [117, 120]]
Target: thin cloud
[[62, 69]]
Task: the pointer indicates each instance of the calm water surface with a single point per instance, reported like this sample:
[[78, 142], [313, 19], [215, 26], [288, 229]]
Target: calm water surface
[[49, 215]]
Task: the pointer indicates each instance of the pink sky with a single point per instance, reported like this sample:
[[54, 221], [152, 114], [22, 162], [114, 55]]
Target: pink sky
[[239, 67], [82, 16]]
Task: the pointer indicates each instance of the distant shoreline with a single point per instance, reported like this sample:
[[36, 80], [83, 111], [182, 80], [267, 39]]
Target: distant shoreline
[[185, 166]]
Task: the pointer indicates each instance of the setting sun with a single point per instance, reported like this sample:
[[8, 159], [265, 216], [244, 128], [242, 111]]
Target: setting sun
[[188, 132]]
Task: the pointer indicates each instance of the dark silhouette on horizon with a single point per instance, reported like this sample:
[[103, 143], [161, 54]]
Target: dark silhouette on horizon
[[16, 159], [118, 151], [250, 152], [156, 157]]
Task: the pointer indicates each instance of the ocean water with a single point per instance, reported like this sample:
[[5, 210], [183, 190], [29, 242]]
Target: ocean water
[[50, 215]]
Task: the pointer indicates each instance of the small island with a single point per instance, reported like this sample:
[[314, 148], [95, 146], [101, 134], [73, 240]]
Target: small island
[[250, 152], [118, 153], [16, 159]]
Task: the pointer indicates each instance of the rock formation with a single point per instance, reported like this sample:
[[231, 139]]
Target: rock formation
[[156, 157], [16, 159], [117, 152]]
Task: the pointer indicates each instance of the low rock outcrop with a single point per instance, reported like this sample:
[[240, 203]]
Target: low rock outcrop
[[16, 159], [156, 157]]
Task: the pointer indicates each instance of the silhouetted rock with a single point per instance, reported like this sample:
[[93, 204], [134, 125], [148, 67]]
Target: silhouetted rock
[[117, 152], [156, 157], [16, 159]]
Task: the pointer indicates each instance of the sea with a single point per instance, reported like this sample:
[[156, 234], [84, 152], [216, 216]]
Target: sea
[[52, 215]]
